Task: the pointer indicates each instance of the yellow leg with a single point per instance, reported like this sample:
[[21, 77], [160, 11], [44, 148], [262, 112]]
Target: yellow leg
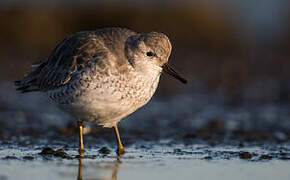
[[81, 143], [120, 150]]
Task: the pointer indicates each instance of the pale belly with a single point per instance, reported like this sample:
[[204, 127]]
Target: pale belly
[[101, 113], [107, 106]]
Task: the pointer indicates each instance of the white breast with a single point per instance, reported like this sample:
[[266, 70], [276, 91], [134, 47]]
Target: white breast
[[110, 99]]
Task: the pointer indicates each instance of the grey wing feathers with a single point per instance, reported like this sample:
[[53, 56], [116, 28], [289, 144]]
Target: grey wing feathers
[[69, 56], [73, 54]]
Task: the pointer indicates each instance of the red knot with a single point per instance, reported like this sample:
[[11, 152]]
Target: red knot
[[102, 76]]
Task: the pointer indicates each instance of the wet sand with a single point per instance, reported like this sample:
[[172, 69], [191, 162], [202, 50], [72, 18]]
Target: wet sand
[[150, 161]]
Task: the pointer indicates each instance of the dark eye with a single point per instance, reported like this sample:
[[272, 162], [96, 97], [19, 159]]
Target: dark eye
[[150, 53]]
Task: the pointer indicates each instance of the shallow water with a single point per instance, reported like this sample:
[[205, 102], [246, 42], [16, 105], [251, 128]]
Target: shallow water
[[150, 162]]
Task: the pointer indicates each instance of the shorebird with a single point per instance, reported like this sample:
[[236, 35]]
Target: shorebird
[[102, 76]]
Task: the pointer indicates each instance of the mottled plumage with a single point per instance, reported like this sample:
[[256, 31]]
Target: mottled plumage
[[102, 76], [74, 54]]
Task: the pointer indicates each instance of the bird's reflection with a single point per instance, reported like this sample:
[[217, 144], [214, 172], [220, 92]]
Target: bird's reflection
[[80, 170], [113, 166]]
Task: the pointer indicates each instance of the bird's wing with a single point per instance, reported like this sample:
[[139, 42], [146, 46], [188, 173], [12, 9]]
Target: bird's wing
[[70, 56]]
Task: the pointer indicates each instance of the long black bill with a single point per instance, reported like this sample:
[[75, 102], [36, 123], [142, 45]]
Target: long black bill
[[169, 70]]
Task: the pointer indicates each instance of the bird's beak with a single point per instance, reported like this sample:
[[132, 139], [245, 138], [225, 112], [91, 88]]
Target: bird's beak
[[169, 70]]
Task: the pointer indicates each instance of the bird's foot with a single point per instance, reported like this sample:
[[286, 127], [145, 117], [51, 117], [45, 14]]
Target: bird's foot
[[120, 151], [81, 152]]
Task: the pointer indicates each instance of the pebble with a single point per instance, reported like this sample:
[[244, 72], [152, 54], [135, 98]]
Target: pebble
[[245, 155], [105, 150]]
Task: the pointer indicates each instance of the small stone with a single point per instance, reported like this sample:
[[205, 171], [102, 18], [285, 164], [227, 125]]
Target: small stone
[[105, 150], [245, 155], [177, 150], [207, 158], [47, 151], [264, 156], [10, 157], [61, 153], [284, 156], [28, 157], [143, 147]]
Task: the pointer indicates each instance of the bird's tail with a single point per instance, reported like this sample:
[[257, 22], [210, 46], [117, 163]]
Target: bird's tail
[[29, 81]]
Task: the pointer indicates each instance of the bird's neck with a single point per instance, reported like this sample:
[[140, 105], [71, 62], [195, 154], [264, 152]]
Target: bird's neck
[[147, 69]]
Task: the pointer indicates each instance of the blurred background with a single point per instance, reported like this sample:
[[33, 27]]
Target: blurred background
[[234, 53], [229, 47]]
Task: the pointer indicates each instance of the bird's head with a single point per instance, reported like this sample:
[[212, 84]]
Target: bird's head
[[152, 50]]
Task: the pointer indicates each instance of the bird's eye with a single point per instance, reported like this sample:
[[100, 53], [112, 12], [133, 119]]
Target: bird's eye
[[150, 53]]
